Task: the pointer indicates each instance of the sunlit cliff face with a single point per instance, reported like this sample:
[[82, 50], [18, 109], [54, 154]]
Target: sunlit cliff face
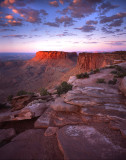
[[62, 25]]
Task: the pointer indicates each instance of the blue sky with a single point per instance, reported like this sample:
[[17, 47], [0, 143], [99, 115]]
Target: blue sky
[[62, 25]]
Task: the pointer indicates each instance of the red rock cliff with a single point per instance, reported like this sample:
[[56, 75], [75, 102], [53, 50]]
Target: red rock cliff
[[88, 61], [43, 55]]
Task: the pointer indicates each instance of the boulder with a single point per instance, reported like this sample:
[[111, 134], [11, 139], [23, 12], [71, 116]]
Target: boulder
[[84, 142], [44, 120], [6, 134], [119, 124], [60, 105], [31, 144], [20, 102], [51, 131], [123, 86], [62, 118]]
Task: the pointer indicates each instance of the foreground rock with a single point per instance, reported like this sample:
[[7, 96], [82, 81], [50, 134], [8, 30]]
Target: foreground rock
[[20, 102], [83, 142], [31, 144], [44, 120], [123, 86], [6, 134], [60, 105], [28, 112], [51, 131]]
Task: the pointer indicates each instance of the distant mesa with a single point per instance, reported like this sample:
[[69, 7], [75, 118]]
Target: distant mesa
[[45, 55]]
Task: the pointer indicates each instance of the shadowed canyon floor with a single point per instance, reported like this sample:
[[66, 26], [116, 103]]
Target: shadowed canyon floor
[[86, 123]]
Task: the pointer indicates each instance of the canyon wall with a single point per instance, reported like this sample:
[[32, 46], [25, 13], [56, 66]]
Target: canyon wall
[[88, 61], [46, 55]]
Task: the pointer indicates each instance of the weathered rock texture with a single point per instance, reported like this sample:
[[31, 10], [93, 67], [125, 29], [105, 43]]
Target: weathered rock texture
[[88, 61]]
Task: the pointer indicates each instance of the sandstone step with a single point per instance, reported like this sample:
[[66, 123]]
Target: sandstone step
[[84, 142]]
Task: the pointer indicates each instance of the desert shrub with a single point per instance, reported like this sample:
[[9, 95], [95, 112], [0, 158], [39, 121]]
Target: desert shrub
[[120, 72], [44, 92], [22, 92], [112, 81], [9, 98], [112, 66], [64, 87], [96, 70], [82, 75], [30, 93], [100, 80], [114, 72]]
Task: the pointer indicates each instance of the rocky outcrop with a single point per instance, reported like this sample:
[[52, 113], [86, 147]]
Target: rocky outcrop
[[123, 86], [88, 61], [45, 55]]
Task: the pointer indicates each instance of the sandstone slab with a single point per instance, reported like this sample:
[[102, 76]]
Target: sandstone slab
[[6, 134], [62, 118], [60, 105], [29, 145], [123, 86], [119, 124], [44, 120], [51, 131], [84, 142], [20, 102]]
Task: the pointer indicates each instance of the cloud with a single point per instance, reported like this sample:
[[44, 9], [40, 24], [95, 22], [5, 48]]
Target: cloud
[[116, 23], [20, 3], [43, 12], [9, 17], [54, 3], [105, 19], [52, 24], [116, 43], [91, 22], [14, 36], [67, 21], [65, 34], [81, 8], [4, 30], [86, 28], [105, 30], [30, 15], [61, 1], [106, 6], [90, 42], [15, 22]]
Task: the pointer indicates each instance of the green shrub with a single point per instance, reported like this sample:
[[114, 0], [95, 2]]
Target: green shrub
[[120, 72], [114, 72], [9, 98], [22, 92], [112, 81], [63, 88], [82, 75], [44, 92], [96, 71], [100, 80]]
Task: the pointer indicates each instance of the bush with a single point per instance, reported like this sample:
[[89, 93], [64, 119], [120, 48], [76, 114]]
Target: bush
[[120, 72], [22, 92], [112, 81], [9, 98], [96, 71], [63, 88], [82, 75], [100, 80], [44, 92]]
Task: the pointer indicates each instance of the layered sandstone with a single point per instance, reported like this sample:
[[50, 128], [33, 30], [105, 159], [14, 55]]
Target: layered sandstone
[[43, 55], [88, 61]]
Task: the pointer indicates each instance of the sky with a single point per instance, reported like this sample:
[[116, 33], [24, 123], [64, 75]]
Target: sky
[[62, 25]]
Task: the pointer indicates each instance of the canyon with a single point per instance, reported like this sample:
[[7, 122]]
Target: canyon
[[48, 69], [88, 120]]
